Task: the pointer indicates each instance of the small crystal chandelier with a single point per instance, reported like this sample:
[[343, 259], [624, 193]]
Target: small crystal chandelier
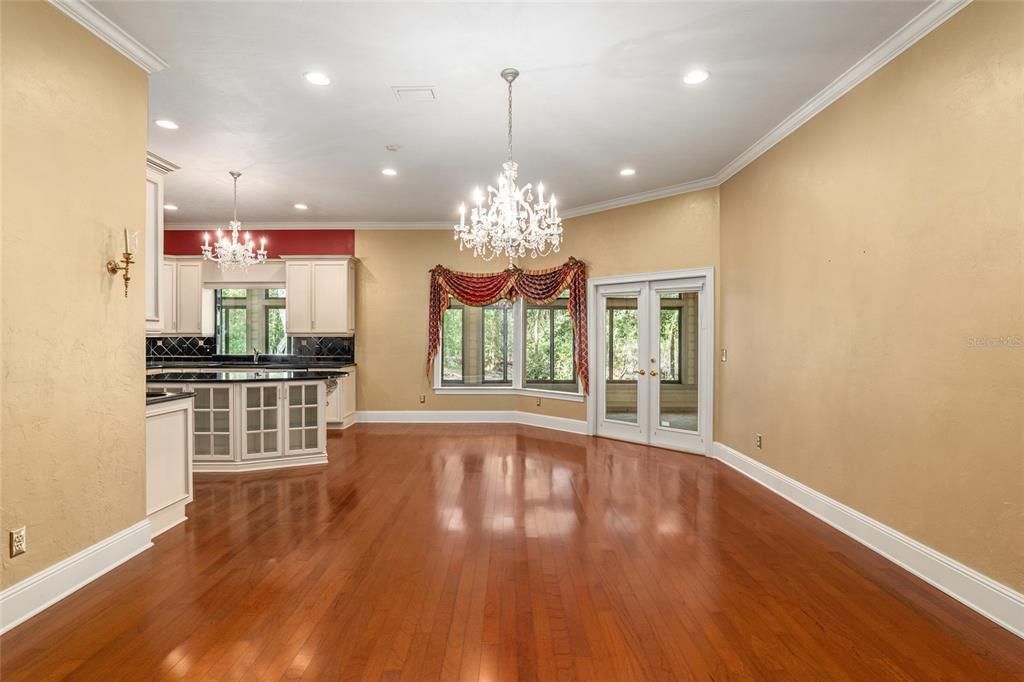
[[511, 223], [233, 252]]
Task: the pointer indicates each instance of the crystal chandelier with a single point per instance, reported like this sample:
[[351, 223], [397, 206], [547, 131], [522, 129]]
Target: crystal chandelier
[[510, 223], [233, 252]]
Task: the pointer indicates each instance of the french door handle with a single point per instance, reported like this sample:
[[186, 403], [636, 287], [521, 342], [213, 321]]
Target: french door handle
[[654, 372], [642, 372]]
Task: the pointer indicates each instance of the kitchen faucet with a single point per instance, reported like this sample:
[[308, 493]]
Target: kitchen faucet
[[255, 356]]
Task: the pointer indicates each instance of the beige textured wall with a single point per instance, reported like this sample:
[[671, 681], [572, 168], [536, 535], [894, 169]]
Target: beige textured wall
[[73, 175], [860, 257], [391, 290]]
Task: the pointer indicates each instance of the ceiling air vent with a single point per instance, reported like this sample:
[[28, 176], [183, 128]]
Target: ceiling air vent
[[414, 93]]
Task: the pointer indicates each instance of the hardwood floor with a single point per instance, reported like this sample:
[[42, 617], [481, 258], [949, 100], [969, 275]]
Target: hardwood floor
[[504, 553]]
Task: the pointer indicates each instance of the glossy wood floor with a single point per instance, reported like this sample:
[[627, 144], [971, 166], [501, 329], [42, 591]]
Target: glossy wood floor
[[504, 553]]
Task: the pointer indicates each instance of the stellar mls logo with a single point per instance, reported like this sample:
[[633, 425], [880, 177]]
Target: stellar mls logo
[[995, 341]]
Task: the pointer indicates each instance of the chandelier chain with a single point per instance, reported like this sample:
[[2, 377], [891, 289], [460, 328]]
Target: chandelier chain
[[510, 120]]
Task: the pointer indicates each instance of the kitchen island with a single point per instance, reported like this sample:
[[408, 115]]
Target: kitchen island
[[254, 420]]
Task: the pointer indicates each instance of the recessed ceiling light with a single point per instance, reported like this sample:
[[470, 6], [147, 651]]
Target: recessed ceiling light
[[165, 123], [301, 207], [317, 78], [389, 172], [627, 171], [170, 207], [695, 76]]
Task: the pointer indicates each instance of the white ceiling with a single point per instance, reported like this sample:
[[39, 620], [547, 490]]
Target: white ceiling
[[600, 89]]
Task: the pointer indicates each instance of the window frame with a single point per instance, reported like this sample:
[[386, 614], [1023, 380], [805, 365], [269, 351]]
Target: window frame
[[516, 356]]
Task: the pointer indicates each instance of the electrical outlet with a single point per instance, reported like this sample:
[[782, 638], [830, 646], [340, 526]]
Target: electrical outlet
[[538, 402], [18, 542], [757, 440], [423, 398]]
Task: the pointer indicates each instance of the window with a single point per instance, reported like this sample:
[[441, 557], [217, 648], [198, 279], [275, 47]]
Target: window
[[548, 345], [496, 362], [453, 363], [250, 318], [481, 347]]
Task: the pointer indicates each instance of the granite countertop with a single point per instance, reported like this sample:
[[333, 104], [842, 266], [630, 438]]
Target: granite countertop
[[229, 377], [156, 397], [222, 363]]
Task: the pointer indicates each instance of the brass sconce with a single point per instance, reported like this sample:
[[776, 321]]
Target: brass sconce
[[122, 265]]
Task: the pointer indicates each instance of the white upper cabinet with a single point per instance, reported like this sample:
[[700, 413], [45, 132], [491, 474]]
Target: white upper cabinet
[[181, 296], [190, 297], [153, 241], [320, 298], [298, 285]]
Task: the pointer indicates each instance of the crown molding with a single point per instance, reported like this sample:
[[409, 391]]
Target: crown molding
[[110, 33], [921, 25], [930, 18], [641, 197], [313, 225], [160, 164]]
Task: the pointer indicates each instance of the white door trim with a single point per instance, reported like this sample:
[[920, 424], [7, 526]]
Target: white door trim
[[706, 356]]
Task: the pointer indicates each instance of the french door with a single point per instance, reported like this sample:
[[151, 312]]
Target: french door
[[653, 361]]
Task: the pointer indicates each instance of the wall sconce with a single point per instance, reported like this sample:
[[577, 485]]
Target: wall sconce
[[125, 262]]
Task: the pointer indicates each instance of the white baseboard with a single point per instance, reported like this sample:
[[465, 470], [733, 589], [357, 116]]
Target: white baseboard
[[168, 517], [258, 465], [471, 417], [995, 601], [21, 601]]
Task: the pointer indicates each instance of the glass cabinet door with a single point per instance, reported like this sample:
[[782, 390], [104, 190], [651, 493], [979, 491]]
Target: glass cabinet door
[[212, 414], [305, 418], [262, 433]]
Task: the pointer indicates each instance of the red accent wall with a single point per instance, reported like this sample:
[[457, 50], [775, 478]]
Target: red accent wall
[[279, 242]]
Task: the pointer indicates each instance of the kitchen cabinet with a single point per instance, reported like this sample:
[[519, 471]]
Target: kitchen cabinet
[[181, 296], [341, 400], [168, 463], [246, 425], [152, 256], [321, 296], [306, 422]]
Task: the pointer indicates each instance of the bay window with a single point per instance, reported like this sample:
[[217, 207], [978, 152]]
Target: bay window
[[506, 347]]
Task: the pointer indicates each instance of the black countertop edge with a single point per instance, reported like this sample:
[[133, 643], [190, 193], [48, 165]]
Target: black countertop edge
[[227, 365], [234, 377], [167, 397]]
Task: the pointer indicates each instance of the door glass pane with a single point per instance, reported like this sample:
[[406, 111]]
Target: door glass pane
[[252, 396], [202, 421], [622, 342], [270, 442], [252, 442], [270, 419], [311, 394], [295, 395], [677, 347]]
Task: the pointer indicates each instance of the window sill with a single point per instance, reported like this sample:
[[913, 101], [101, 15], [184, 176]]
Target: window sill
[[508, 390]]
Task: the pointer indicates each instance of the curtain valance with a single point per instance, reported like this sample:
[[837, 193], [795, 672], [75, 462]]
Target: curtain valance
[[534, 286]]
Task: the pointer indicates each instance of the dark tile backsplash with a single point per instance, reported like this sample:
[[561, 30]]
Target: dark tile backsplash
[[180, 346], [343, 347], [335, 347]]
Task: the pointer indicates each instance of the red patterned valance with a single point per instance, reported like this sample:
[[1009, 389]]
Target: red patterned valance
[[534, 286]]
